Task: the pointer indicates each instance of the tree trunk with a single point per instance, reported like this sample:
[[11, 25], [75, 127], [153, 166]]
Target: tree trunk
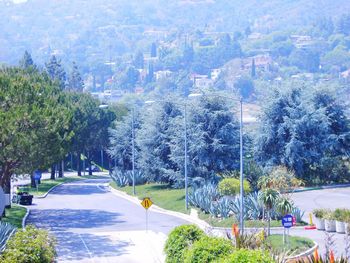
[[78, 164], [89, 164], [268, 223], [60, 170], [53, 171], [7, 191], [32, 181]]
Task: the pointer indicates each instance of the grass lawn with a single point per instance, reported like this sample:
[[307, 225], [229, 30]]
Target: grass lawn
[[296, 244], [14, 215], [227, 222], [161, 195], [46, 185]]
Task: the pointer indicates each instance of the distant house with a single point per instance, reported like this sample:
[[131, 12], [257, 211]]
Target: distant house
[[162, 74], [139, 90], [301, 41], [143, 74], [262, 62], [203, 83], [215, 73], [345, 74]]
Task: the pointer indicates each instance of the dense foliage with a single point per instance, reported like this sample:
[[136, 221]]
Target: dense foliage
[[208, 249], [308, 133], [30, 245], [247, 256], [212, 140], [180, 239]]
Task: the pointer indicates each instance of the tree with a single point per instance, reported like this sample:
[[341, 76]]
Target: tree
[[153, 50], [33, 123], [154, 140], [139, 61], [269, 197], [26, 61], [213, 139], [75, 82], [253, 71], [90, 125], [305, 59], [120, 137], [244, 86], [56, 71], [343, 24], [307, 133]]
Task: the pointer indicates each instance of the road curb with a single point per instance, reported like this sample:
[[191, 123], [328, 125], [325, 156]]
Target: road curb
[[24, 219], [303, 255], [200, 223], [51, 189], [321, 188]]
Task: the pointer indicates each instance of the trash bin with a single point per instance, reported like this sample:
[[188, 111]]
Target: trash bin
[[25, 199]]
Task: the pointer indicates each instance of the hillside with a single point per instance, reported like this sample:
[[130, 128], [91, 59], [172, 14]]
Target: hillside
[[96, 30]]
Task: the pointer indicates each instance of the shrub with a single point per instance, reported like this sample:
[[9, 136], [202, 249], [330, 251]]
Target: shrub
[[231, 186], [342, 214], [29, 245], [319, 213], [179, 240], [247, 256], [208, 249]]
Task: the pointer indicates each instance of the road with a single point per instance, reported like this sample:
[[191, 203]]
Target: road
[[325, 198], [93, 225]]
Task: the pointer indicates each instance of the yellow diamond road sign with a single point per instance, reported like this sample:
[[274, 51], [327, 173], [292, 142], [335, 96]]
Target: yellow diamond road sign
[[146, 202]]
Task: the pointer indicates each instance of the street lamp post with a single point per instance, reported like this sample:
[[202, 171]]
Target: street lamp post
[[133, 150], [241, 218], [186, 177]]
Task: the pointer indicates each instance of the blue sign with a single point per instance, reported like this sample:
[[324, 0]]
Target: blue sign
[[37, 175], [287, 221]]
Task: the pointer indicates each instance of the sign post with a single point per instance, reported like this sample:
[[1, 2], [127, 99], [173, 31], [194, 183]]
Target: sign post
[[287, 222], [37, 178], [146, 203]]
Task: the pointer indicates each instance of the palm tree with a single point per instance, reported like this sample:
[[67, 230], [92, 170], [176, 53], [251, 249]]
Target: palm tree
[[269, 197], [284, 205]]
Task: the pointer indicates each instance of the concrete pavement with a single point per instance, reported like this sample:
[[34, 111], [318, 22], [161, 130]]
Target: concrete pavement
[[93, 225]]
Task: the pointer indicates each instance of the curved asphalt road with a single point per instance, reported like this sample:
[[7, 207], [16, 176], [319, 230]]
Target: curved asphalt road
[[93, 225]]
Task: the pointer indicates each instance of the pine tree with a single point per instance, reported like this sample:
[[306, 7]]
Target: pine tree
[[253, 73], [26, 61], [75, 81], [139, 61], [153, 50], [56, 71]]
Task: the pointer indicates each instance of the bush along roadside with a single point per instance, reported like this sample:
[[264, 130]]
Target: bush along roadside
[[210, 200], [188, 243], [29, 245]]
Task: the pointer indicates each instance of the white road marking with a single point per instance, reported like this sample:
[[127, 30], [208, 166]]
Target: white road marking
[[88, 250]]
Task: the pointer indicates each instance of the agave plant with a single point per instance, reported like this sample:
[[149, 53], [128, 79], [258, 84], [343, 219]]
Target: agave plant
[[221, 208], [202, 197], [6, 230], [298, 214], [254, 206], [124, 178]]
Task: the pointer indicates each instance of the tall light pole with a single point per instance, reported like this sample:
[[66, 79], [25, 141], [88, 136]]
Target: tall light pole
[[186, 176], [133, 150], [241, 218], [185, 146]]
